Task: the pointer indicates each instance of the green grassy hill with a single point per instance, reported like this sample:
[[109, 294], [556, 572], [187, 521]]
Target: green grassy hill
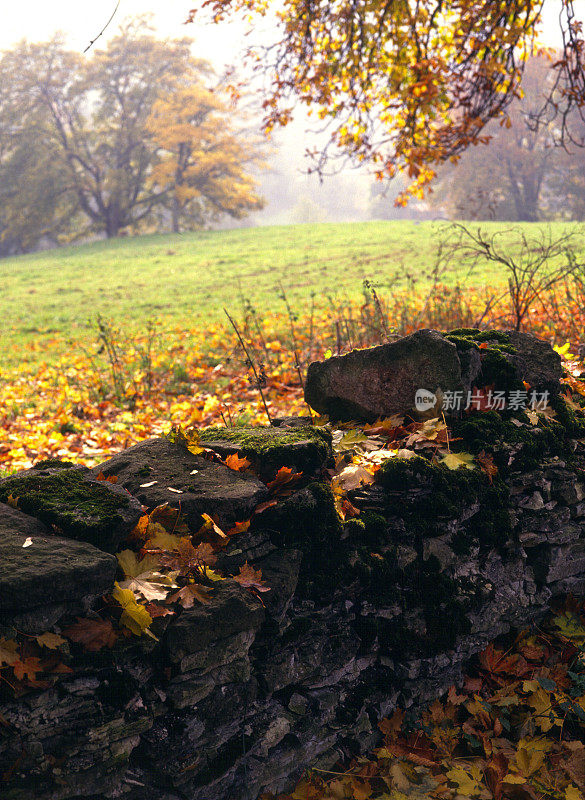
[[187, 279]]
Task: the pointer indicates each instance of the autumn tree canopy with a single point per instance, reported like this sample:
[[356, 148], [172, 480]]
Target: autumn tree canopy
[[201, 166], [406, 84]]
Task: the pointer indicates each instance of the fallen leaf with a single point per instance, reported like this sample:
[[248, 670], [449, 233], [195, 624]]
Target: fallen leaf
[[285, 478], [189, 439], [188, 594], [93, 634], [187, 559], [210, 526], [486, 461], [50, 640], [457, 460], [133, 566], [239, 527], [158, 611], [352, 477], [251, 578], [134, 616], [236, 463], [151, 585], [29, 666], [8, 651], [12, 501]]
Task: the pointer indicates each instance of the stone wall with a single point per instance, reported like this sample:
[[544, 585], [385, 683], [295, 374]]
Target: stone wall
[[239, 696]]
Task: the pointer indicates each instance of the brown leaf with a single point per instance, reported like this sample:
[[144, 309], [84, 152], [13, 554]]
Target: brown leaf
[[158, 611], [239, 527], [486, 461], [93, 634], [263, 506], [188, 559], [8, 651], [50, 640], [251, 578], [391, 727], [188, 594]]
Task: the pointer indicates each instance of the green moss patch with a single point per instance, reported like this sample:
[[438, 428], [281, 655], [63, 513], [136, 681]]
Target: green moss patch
[[429, 497], [81, 508], [306, 449]]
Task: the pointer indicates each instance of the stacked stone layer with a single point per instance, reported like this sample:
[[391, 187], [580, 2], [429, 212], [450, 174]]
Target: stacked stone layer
[[240, 696]]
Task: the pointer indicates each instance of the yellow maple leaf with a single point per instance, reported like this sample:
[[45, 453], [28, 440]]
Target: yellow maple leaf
[[12, 501], [457, 460], [545, 715], [468, 781], [134, 616], [528, 761], [50, 640], [132, 566]]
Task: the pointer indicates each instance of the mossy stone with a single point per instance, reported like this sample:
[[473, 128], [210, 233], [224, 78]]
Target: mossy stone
[[304, 449], [431, 496], [81, 507]]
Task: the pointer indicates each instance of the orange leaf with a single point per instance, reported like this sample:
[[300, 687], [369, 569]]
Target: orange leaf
[[236, 463], [263, 506], [486, 461], [29, 667], [239, 527], [285, 477]]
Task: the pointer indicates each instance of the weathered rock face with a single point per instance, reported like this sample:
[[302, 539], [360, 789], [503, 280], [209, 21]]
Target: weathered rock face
[[381, 381], [157, 471], [240, 695], [82, 508], [48, 577]]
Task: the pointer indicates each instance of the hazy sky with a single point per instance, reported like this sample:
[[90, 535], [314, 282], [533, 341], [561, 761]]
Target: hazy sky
[[81, 21]]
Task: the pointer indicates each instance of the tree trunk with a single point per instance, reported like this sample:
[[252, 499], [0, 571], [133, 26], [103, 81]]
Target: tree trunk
[[175, 215]]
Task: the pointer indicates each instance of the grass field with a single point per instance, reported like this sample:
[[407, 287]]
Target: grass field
[[50, 297]]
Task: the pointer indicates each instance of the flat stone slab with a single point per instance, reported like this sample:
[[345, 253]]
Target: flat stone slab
[[304, 449], [157, 471], [50, 569], [232, 610], [83, 508], [381, 381]]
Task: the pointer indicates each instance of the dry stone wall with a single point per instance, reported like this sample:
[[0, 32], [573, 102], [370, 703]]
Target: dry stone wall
[[239, 696]]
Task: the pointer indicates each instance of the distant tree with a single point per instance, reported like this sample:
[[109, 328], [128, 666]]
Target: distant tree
[[567, 180], [511, 177], [201, 168], [36, 202], [88, 123]]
